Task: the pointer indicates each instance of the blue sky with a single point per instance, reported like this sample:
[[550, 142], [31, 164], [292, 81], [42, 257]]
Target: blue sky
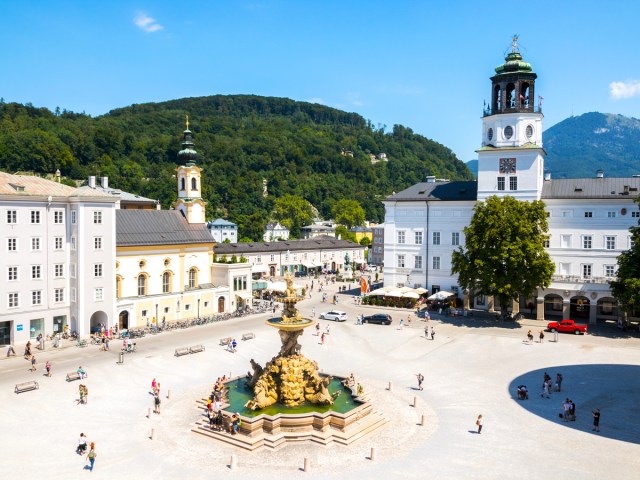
[[422, 64]]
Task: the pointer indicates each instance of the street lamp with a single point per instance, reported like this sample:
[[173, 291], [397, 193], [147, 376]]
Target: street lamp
[[156, 325], [198, 308]]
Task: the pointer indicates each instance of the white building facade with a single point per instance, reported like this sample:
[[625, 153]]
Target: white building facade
[[589, 218]]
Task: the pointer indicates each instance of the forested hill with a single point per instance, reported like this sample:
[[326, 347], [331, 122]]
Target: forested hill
[[299, 148], [578, 146]]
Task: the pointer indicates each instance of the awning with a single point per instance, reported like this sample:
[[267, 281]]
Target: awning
[[259, 268], [244, 295], [310, 265]]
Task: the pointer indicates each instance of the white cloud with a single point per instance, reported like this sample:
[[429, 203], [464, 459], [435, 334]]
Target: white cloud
[[627, 89], [146, 23]]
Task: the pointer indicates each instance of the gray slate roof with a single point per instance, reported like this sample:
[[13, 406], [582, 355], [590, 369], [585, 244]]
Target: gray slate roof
[[591, 188], [158, 227], [124, 196], [318, 243], [445, 191]]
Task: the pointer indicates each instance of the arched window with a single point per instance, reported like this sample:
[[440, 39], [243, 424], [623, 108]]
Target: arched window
[[193, 278], [511, 95], [183, 184], [497, 99], [142, 285], [166, 282], [118, 286], [194, 184], [524, 95]]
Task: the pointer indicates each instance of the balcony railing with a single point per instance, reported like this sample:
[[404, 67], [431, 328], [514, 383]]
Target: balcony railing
[[579, 279], [488, 111]]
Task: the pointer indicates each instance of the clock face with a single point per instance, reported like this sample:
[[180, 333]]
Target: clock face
[[508, 165]]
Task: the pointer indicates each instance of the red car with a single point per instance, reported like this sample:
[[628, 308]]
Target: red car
[[567, 326]]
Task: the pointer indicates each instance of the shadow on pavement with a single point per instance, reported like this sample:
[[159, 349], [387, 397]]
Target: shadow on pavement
[[611, 388]]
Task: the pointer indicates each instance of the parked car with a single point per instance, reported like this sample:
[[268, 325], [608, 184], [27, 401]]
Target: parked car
[[379, 318], [567, 326], [335, 315]]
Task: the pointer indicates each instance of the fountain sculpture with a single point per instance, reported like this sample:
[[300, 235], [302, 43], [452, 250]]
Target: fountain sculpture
[[289, 378]]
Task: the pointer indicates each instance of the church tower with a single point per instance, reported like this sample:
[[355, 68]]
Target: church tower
[[188, 174], [511, 159]]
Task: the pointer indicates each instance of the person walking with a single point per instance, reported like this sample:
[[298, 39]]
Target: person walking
[[420, 380], [541, 336], [566, 406], [47, 367], [317, 329], [33, 363], [156, 403], [433, 333], [401, 323], [426, 332], [322, 339], [91, 456], [596, 420], [11, 351], [82, 444], [86, 394], [313, 312], [559, 381], [479, 424]]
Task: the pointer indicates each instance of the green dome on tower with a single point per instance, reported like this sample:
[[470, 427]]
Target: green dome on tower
[[513, 61]]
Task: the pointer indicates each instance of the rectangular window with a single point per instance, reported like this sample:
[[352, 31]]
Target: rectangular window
[[72, 270], [36, 272], [272, 258], [97, 243], [58, 243], [567, 214], [97, 270], [546, 242], [565, 268], [480, 300], [586, 271], [98, 294], [436, 263], [586, 241], [565, 241], [144, 313], [588, 214], [400, 237], [455, 238], [513, 183], [58, 216], [74, 215], [12, 216], [36, 297], [418, 262], [167, 309], [187, 306], [500, 183], [14, 300], [12, 244], [418, 236], [58, 295], [73, 294], [610, 242], [436, 238], [35, 243], [97, 217], [73, 243], [12, 273], [611, 214], [239, 283], [635, 214], [609, 270], [35, 216], [400, 261], [58, 270], [258, 258]]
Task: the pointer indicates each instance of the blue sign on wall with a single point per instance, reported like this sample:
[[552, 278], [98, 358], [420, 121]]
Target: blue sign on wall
[[19, 327]]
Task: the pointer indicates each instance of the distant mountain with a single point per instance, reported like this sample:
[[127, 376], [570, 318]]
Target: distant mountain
[[473, 166], [578, 146]]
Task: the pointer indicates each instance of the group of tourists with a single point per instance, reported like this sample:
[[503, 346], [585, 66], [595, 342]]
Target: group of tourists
[[82, 448]]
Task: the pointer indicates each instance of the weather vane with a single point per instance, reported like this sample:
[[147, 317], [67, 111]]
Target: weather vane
[[187, 121], [514, 43]]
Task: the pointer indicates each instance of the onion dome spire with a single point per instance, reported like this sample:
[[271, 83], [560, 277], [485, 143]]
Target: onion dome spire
[[188, 154]]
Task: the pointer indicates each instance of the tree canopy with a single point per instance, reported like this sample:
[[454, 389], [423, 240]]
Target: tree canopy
[[293, 212], [627, 286], [348, 213], [504, 253]]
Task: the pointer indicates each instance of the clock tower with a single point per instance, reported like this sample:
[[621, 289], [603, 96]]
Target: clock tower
[[189, 201], [511, 159]]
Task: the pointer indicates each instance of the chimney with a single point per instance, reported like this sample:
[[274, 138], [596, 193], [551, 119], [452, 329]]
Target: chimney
[[431, 179], [104, 181], [547, 176], [599, 173], [92, 181]]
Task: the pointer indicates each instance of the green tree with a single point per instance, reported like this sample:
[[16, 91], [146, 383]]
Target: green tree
[[504, 253], [344, 234], [627, 286], [348, 212], [293, 212], [365, 241]]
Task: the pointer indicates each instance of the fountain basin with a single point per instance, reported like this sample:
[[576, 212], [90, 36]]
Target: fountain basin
[[279, 324]]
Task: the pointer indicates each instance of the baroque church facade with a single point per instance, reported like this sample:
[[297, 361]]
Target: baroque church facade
[[589, 218]]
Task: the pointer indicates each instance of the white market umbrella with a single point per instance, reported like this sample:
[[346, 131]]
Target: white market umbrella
[[441, 295], [380, 291], [395, 293], [420, 290], [410, 295]]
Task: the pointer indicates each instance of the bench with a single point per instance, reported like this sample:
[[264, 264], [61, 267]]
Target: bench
[[182, 351], [196, 349], [74, 376], [26, 386], [248, 336], [225, 341]]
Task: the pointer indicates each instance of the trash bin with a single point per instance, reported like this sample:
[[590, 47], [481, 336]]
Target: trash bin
[[121, 360]]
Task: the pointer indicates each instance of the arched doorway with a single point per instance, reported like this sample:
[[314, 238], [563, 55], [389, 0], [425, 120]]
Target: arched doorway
[[220, 304], [579, 308], [607, 309], [97, 318], [553, 305], [123, 320], [272, 271]]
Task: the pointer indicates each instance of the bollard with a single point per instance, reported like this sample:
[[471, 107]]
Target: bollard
[[415, 401], [422, 421], [389, 388], [149, 412], [233, 463], [555, 337], [307, 465], [121, 360], [168, 393], [372, 456], [152, 434]]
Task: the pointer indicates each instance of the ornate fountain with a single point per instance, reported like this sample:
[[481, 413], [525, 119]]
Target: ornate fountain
[[289, 378]]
